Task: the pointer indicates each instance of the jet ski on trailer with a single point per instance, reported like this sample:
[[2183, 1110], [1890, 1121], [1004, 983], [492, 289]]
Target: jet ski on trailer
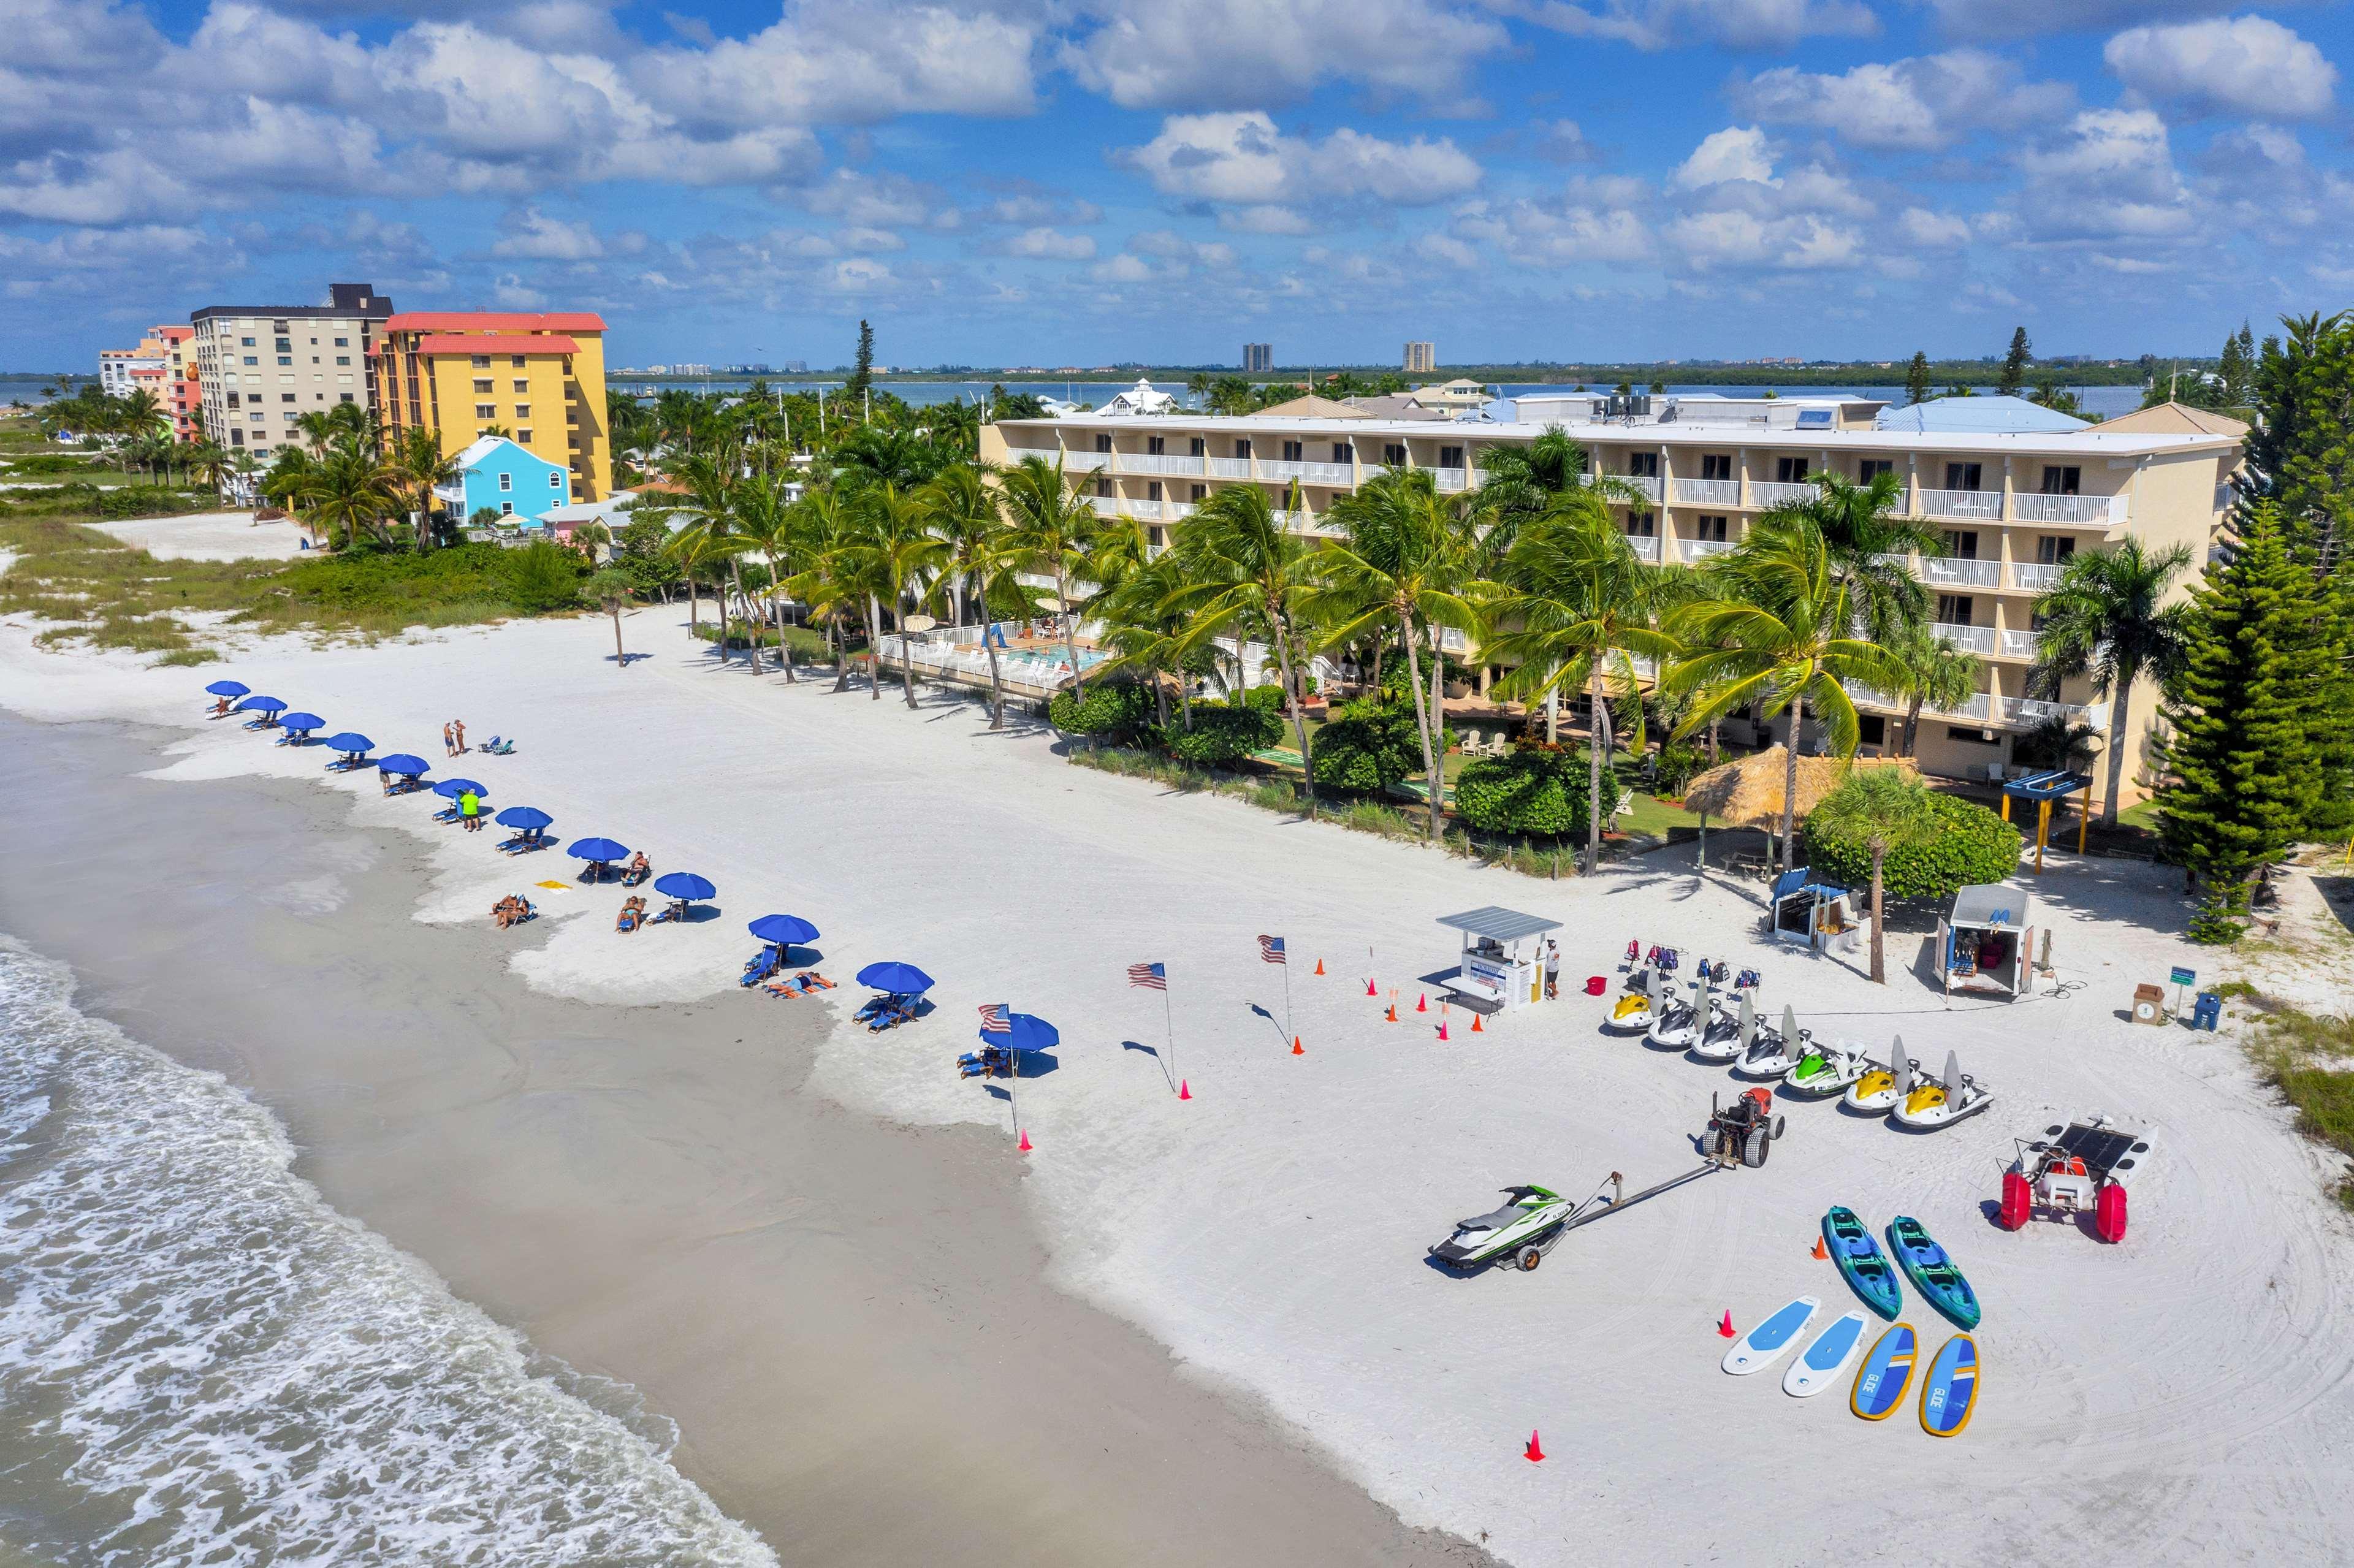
[[1827, 1070], [1942, 1101], [1881, 1088], [1520, 1230], [1633, 1012], [1726, 1034], [1773, 1052]]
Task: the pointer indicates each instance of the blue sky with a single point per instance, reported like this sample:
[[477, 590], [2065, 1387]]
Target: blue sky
[[1086, 181]]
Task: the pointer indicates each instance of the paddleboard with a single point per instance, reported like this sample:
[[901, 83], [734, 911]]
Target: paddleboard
[[1950, 1393], [1887, 1372], [1825, 1360], [1762, 1345]]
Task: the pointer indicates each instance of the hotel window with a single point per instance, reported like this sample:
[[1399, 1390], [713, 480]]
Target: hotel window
[[1344, 452], [1200, 492], [286, 359], [506, 508], [1393, 454], [1242, 449], [237, 437], [1789, 470], [482, 362], [1450, 457], [245, 343], [1292, 450], [481, 386], [1103, 443], [285, 345], [1962, 544], [1711, 529], [347, 397], [1716, 465], [523, 410], [1103, 488], [343, 359], [522, 385], [1872, 729], [286, 397], [1157, 538], [2061, 480], [486, 411], [555, 482], [257, 416], [1643, 465], [523, 436], [343, 343], [1962, 475], [1198, 447], [1870, 469], [250, 359], [232, 399], [1152, 490], [1954, 610], [1156, 446], [1976, 736], [518, 361], [2052, 550], [506, 481], [1642, 524]]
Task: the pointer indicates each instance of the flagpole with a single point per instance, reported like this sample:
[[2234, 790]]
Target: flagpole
[[1168, 1018], [1286, 967]]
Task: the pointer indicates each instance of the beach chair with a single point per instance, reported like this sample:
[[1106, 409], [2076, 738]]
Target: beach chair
[[988, 1062], [760, 968], [874, 1007], [497, 747], [633, 916], [636, 874]]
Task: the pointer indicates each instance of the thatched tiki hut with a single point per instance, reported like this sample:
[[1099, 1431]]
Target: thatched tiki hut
[[1747, 791]]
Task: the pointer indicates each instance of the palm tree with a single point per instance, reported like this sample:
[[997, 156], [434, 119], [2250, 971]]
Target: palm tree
[[246, 471], [352, 489], [1147, 634], [895, 554], [691, 549], [711, 501], [1575, 606], [1777, 628], [609, 590], [1936, 675], [1408, 561], [319, 430], [1868, 538], [1242, 571], [763, 519], [287, 482], [1055, 532], [1518, 483], [968, 516], [1888, 808], [209, 464], [2103, 621], [422, 468]]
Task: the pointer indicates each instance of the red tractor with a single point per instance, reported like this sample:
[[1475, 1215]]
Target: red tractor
[[1742, 1132]]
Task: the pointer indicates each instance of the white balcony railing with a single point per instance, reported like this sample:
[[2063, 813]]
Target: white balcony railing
[[2034, 710], [1949, 571], [1084, 462], [1105, 505], [1969, 639], [1644, 545], [1708, 491], [1176, 510], [1701, 549], [1145, 462], [1643, 484], [1764, 493], [2102, 511], [2019, 644], [1978, 505], [1450, 480], [1229, 468], [2034, 577], [1309, 473]]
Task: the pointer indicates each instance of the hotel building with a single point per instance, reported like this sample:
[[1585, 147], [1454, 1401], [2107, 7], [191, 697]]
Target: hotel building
[[1421, 359], [537, 378], [2014, 490], [1257, 358], [260, 367]]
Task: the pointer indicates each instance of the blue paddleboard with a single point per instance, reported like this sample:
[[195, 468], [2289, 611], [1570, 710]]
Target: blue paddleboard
[[1822, 1364], [1951, 1391], [1887, 1372], [1762, 1345]]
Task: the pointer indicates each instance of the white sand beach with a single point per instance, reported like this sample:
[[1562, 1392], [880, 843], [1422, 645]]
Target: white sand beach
[[2180, 1398], [210, 537]]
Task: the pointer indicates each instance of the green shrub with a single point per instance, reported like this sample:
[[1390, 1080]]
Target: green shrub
[[1535, 791], [542, 577], [1266, 699], [1222, 735], [1372, 746], [1972, 844], [1108, 708], [1675, 767]]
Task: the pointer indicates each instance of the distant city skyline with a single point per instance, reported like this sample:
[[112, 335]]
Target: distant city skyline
[[728, 181]]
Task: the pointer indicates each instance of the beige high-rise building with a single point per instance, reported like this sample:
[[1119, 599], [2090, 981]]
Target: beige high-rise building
[[1421, 359], [2013, 490], [1258, 359], [258, 368]]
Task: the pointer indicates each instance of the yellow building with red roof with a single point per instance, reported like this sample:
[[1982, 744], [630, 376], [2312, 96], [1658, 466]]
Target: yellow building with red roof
[[537, 377]]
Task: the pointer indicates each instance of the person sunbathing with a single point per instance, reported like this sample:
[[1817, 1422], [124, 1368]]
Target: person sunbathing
[[639, 869], [632, 915], [220, 708]]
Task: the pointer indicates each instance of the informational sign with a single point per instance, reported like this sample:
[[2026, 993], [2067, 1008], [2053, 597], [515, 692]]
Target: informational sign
[[2185, 977], [1491, 976]]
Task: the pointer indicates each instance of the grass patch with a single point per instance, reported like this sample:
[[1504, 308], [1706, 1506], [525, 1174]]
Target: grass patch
[[2310, 1060]]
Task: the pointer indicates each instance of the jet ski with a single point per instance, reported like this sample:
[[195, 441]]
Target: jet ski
[[1880, 1089], [1676, 1024], [1940, 1102], [1726, 1034], [1529, 1218], [1773, 1052], [1826, 1070], [1633, 1012]]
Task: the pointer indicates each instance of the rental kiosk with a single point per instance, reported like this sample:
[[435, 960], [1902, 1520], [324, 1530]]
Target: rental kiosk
[[1811, 914], [1503, 958], [1987, 943]]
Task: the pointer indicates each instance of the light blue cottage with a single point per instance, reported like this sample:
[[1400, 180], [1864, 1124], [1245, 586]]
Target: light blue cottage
[[496, 472]]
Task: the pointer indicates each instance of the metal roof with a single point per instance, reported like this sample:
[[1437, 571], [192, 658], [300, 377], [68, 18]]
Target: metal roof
[[1994, 904], [2047, 786], [1500, 923], [1996, 416]]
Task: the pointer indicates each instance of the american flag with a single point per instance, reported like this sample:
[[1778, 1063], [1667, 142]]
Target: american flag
[[995, 1019], [1151, 977], [1271, 950]]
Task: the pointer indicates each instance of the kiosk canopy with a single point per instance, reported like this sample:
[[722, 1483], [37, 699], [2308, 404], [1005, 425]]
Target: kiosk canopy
[[1995, 905], [1500, 924]]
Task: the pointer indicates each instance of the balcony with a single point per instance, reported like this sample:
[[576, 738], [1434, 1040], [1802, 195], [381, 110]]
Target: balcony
[[1084, 463], [1310, 472], [2096, 511], [1450, 480], [2031, 577], [2019, 644], [1969, 639], [1644, 545], [1762, 493], [1707, 491], [1229, 468], [1701, 549], [1969, 506], [1105, 505], [1643, 484], [1139, 462], [1176, 511], [1952, 571], [2034, 710]]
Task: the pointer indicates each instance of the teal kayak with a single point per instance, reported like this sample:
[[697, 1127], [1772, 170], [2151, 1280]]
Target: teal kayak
[[1860, 1260], [1932, 1272]]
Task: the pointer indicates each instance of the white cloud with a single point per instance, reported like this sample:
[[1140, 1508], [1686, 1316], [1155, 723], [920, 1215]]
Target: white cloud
[[1915, 104], [1051, 245], [1932, 230], [1445, 247], [1542, 235], [1266, 218], [1120, 269], [1672, 24], [1562, 141], [1734, 152], [1170, 246], [512, 293], [876, 200], [2246, 65], [1246, 54], [1241, 159], [1744, 239], [2110, 175], [1981, 19], [532, 233]]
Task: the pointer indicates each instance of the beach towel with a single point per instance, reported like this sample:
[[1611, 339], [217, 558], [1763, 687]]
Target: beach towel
[[557, 886]]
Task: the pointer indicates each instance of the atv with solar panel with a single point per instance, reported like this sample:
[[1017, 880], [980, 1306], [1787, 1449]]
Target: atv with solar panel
[[2082, 1168]]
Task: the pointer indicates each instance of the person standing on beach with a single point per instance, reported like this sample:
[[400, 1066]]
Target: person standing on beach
[[470, 806], [1552, 969], [449, 746], [460, 725]]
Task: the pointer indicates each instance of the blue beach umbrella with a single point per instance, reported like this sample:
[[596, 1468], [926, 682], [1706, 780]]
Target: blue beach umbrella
[[351, 743], [261, 705], [906, 979], [451, 789], [1029, 1034], [229, 688], [785, 930], [302, 723], [524, 818], [684, 884], [597, 850], [400, 762]]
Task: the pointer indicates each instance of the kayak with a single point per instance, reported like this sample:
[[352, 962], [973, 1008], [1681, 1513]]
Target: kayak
[[1860, 1260], [1932, 1272]]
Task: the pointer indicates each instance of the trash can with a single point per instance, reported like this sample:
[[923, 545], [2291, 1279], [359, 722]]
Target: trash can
[[2207, 1013]]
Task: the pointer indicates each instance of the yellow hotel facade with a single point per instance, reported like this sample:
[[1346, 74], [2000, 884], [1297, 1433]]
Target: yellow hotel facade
[[538, 376]]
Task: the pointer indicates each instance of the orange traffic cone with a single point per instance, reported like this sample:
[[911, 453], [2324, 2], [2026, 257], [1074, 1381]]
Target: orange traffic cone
[[1724, 1330], [1535, 1452], [1320, 966], [1184, 1089], [1475, 1025], [1296, 1048], [1024, 1145], [1819, 1251], [1393, 1017], [1422, 1002]]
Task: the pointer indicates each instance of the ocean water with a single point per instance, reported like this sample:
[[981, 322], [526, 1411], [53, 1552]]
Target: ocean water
[[202, 1362]]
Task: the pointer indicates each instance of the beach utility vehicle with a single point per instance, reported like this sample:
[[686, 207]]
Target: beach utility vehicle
[[1879, 1088], [1826, 1070], [1743, 1132], [2082, 1167], [1932, 1273], [1534, 1219], [1865, 1267], [1773, 1052], [1942, 1101]]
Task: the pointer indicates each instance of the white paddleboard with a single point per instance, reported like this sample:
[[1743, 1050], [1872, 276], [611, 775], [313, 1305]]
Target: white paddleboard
[[1825, 1360], [1765, 1344]]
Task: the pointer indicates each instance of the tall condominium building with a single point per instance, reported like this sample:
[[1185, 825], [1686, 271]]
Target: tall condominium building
[[1257, 357], [537, 377], [117, 365], [1421, 359], [2012, 489], [260, 367]]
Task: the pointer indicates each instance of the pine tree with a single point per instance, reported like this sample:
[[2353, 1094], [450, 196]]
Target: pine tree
[[2302, 449], [2333, 716], [2244, 773], [2015, 363], [862, 374], [1917, 378]]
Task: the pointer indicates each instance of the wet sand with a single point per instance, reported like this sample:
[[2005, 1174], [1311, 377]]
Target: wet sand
[[846, 1320]]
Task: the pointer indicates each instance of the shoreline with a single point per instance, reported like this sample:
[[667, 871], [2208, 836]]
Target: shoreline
[[848, 1320]]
